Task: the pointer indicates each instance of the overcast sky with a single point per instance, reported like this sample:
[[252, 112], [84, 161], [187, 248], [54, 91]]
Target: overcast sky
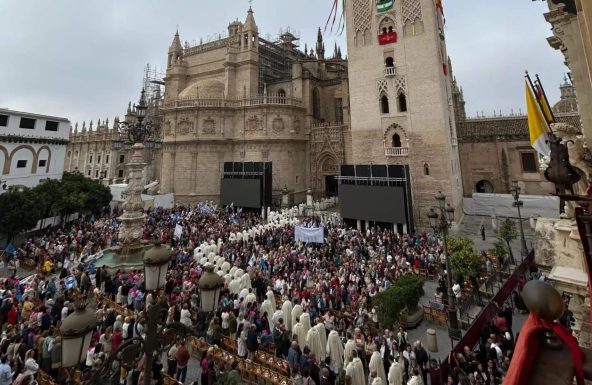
[[84, 59]]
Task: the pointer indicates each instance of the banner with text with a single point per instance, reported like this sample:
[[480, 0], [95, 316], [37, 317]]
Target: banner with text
[[309, 234]]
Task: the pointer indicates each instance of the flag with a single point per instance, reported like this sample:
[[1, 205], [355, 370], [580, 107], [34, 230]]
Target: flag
[[537, 125], [439, 6], [10, 249], [178, 231], [543, 102], [384, 5]]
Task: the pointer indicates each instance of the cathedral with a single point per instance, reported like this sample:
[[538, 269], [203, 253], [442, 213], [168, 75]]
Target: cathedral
[[243, 98]]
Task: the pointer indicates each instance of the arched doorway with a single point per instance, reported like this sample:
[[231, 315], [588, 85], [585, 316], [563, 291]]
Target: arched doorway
[[484, 186], [329, 172]]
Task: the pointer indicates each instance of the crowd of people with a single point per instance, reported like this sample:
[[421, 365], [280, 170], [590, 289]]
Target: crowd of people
[[325, 326]]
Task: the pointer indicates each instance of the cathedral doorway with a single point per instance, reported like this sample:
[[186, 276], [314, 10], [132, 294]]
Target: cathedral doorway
[[331, 185], [484, 186]]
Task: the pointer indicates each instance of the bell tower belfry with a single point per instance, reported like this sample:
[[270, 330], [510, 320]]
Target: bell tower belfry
[[401, 96]]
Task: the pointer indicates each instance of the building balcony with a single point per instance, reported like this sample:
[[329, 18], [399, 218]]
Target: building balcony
[[390, 71], [396, 151], [255, 100]]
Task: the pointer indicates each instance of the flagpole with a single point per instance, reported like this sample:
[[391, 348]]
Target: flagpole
[[533, 90], [545, 96]]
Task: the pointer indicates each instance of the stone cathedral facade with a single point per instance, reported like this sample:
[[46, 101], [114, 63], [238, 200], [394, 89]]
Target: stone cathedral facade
[[245, 99]]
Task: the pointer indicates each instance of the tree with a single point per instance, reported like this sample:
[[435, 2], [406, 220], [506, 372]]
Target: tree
[[389, 304], [20, 210], [464, 260], [507, 232], [500, 251], [404, 294], [48, 194]]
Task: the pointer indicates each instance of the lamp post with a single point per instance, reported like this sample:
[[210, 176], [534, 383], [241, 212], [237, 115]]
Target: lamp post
[[440, 220], [515, 189], [209, 285]]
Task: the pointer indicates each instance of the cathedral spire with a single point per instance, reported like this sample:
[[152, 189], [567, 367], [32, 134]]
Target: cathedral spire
[[250, 24], [176, 44], [320, 45]]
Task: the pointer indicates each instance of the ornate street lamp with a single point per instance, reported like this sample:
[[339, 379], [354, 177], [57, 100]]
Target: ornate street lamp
[[440, 221], [209, 286], [156, 264], [515, 190], [76, 332]]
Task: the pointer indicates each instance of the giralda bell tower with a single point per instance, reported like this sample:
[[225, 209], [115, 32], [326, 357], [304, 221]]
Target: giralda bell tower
[[401, 96]]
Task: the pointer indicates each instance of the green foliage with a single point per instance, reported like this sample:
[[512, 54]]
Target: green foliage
[[388, 304], [411, 289], [508, 231], [19, 211], [464, 260], [405, 293], [499, 249]]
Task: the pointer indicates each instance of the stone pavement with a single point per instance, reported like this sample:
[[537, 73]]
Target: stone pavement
[[470, 227]]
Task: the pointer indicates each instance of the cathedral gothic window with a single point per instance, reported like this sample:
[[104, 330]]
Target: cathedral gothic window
[[426, 169], [384, 104], [402, 99]]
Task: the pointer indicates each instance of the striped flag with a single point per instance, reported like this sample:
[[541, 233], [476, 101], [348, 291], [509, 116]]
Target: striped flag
[[384, 5], [537, 124]]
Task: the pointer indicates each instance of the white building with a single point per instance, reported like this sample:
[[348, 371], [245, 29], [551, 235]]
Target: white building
[[32, 148]]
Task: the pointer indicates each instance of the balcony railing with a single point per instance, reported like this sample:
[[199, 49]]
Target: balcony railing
[[396, 151], [255, 100], [390, 71]]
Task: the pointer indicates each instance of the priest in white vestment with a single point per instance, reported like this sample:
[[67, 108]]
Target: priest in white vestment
[[395, 375], [287, 310], [298, 330], [377, 364], [335, 351], [296, 313]]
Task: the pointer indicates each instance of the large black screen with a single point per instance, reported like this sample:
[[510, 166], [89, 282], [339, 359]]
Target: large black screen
[[373, 203], [241, 192]]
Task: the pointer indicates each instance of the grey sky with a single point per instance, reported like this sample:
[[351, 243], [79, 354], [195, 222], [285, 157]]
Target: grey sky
[[84, 59]]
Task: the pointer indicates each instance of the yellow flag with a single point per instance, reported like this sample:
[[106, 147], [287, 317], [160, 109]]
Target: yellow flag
[[543, 102], [537, 125]]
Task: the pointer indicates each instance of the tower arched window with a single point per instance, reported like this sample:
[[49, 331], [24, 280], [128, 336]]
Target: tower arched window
[[396, 140], [282, 96], [389, 62], [384, 104], [426, 169], [402, 100], [316, 104]]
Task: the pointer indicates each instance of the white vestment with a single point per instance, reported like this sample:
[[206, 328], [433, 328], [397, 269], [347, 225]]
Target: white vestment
[[287, 310], [296, 313], [251, 298], [323, 334], [313, 341], [298, 329], [357, 372], [395, 376], [350, 346], [335, 351], [377, 364], [275, 319], [305, 321], [266, 307], [271, 299]]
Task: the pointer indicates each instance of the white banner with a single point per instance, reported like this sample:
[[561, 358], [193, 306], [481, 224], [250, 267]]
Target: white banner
[[309, 234], [178, 231]]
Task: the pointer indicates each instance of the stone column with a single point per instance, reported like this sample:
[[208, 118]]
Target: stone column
[[285, 197], [359, 225], [132, 220], [404, 228]]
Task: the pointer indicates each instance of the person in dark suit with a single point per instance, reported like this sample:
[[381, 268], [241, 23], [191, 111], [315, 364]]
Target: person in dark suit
[[252, 342]]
